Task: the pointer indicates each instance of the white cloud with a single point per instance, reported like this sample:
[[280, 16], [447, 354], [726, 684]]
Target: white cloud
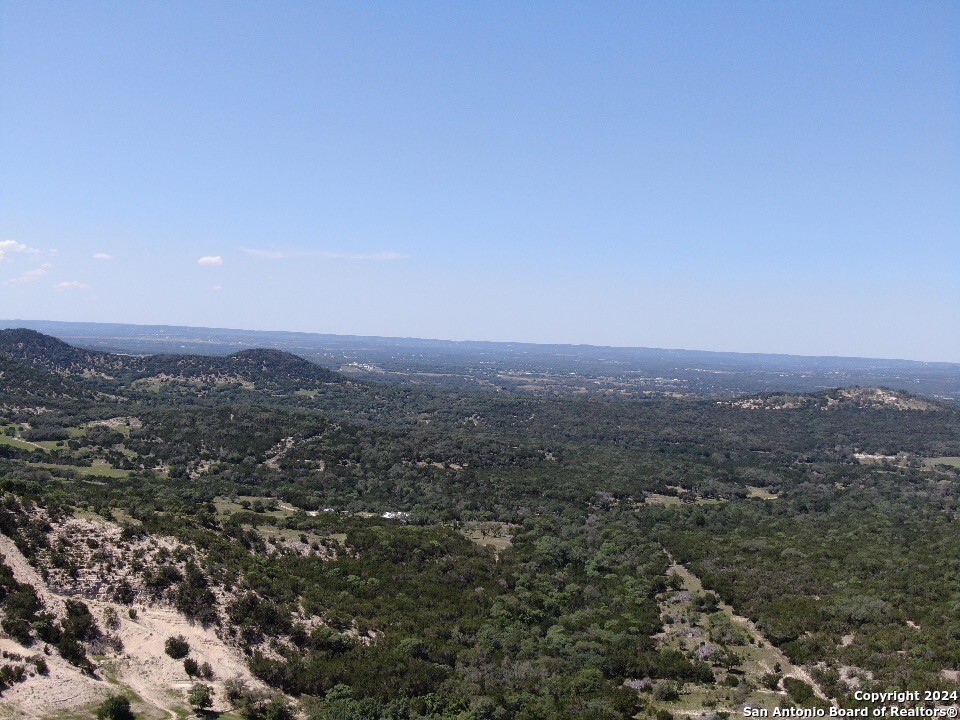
[[12, 246], [217, 288], [29, 276], [326, 255], [102, 256], [71, 285], [210, 260]]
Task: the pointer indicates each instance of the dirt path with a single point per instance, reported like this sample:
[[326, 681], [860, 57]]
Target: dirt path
[[692, 582]]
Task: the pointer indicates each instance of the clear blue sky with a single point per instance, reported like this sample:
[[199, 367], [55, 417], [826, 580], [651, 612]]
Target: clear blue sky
[[769, 176]]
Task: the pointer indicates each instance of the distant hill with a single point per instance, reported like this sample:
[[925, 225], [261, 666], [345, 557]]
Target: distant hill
[[46, 351], [253, 366], [258, 367]]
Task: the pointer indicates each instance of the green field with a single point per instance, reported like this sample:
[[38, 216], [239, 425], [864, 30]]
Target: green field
[[951, 461], [16, 442], [98, 469]]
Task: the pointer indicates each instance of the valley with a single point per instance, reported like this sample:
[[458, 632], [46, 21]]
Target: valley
[[332, 545]]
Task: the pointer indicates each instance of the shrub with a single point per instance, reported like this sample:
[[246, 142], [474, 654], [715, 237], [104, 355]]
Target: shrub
[[11, 674], [802, 693], [177, 647], [191, 667], [79, 621], [72, 651], [110, 619], [771, 681], [201, 696], [665, 692], [115, 707]]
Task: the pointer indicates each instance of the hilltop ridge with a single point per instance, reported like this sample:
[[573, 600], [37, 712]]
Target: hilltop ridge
[[254, 366]]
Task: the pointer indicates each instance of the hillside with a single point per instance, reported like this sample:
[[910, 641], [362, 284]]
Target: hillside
[[32, 347], [258, 368]]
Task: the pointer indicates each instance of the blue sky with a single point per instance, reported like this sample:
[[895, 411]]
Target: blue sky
[[772, 177]]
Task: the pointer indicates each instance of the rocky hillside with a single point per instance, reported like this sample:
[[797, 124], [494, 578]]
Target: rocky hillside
[[89, 613], [855, 398]]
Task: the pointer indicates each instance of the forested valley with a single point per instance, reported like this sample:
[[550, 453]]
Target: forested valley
[[255, 536]]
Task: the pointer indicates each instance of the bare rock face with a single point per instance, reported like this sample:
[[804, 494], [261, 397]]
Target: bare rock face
[[639, 685], [706, 651]]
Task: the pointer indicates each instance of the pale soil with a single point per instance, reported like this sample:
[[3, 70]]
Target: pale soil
[[852, 676], [142, 667], [64, 688], [866, 458]]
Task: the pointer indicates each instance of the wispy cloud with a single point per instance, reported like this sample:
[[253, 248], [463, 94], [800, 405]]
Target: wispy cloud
[[8, 247], [29, 276], [102, 256], [324, 255], [71, 285], [265, 254], [210, 261], [217, 288]]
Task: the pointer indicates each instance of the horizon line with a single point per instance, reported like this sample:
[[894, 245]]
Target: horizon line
[[487, 342]]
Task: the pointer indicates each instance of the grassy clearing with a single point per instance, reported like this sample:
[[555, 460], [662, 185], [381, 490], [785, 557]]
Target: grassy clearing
[[98, 469], [760, 493], [657, 499], [17, 443], [490, 534], [228, 506], [651, 498], [949, 461], [120, 424], [126, 451], [49, 445]]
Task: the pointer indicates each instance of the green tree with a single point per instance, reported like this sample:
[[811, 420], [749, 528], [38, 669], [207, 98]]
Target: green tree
[[201, 696], [177, 647], [115, 707]]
